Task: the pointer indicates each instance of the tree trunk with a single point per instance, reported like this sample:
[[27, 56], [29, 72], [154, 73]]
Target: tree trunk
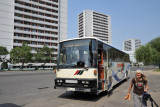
[[44, 65], [159, 66], [22, 65]]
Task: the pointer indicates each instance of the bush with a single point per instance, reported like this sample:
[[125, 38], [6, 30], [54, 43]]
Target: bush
[[157, 70], [54, 67], [36, 68], [4, 65]]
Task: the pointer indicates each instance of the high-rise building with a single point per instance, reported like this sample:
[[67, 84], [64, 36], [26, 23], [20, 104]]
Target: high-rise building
[[37, 22], [94, 24], [129, 46]]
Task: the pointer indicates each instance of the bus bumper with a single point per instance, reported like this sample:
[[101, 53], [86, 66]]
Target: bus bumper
[[84, 85]]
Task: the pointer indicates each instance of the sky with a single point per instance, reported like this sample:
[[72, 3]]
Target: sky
[[138, 19]]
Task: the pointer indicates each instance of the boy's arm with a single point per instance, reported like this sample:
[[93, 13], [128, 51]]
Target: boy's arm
[[130, 87], [128, 94], [146, 88]]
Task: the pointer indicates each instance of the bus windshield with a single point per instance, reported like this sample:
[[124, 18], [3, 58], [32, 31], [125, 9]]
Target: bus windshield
[[77, 54]]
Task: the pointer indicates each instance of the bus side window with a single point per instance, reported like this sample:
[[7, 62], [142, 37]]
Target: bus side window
[[104, 55], [115, 57], [126, 58], [121, 57], [109, 59]]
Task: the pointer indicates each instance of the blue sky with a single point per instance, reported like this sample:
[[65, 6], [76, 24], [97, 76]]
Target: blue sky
[[129, 18]]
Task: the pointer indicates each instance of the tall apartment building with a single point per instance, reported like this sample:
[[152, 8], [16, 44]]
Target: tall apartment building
[[37, 22], [129, 46], [94, 24]]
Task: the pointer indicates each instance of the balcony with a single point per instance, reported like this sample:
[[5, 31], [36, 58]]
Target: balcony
[[35, 39], [34, 46], [55, 53], [38, 4], [55, 3], [35, 33], [35, 27], [36, 15], [100, 25], [35, 21], [35, 9]]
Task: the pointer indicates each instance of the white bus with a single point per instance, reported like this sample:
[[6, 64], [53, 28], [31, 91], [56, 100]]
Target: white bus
[[90, 65]]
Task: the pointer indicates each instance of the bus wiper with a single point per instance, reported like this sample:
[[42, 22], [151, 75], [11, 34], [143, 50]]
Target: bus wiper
[[86, 68], [81, 64]]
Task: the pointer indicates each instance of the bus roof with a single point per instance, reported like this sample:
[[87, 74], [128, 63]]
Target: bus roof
[[90, 38]]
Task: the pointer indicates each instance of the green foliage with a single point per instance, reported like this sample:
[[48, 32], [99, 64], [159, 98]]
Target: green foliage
[[155, 44], [149, 53], [157, 70], [54, 67], [36, 68], [144, 54], [21, 54], [139, 54], [156, 56], [4, 65], [3, 53], [43, 55]]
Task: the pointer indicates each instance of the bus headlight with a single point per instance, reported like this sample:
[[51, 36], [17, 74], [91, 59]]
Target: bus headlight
[[59, 81], [85, 82]]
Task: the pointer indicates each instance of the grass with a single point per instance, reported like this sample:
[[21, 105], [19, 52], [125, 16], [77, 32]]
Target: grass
[[158, 70]]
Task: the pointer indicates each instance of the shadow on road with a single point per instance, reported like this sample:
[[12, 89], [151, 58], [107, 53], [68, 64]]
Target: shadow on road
[[87, 96], [10, 105], [116, 86]]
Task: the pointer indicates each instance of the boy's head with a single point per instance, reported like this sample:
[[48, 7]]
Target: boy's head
[[138, 73]]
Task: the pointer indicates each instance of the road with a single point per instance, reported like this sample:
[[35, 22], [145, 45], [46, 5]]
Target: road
[[35, 89]]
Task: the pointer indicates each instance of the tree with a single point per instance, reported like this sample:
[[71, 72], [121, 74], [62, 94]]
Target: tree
[[139, 54], [156, 56], [21, 54], [155, 44], [144, 54], [3, 54], [44, 55]]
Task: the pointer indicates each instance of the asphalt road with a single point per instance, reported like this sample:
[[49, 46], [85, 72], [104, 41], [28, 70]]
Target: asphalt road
[[35, 89], [150, 67]]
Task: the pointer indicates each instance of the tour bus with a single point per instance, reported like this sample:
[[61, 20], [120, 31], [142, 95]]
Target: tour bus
[[90, 65]]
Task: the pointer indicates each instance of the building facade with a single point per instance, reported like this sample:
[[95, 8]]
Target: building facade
[[94, 24], [37, 22], [129, 46]]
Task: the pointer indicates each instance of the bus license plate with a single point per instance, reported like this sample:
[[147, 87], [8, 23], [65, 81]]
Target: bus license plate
[[71, 81], [71, 89]]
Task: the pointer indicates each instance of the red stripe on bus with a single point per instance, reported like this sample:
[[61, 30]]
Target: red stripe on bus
[[76, 72]]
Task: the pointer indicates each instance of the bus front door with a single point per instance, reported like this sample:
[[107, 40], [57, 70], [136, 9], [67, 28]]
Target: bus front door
[[100, 71]]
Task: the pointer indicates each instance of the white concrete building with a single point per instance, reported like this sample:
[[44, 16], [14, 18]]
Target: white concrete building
[[37, 22], [94, 24], [129, 46]]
